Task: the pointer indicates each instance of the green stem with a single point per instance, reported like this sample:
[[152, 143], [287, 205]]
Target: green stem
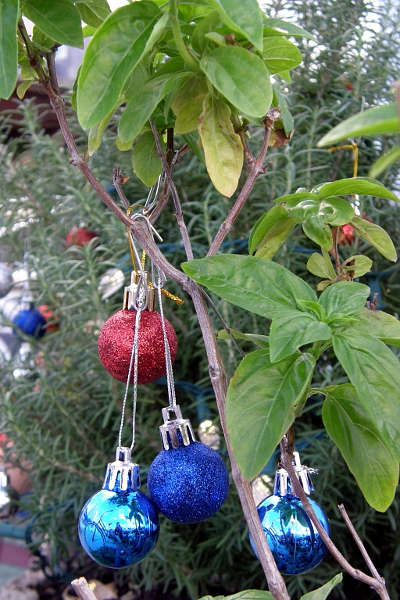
[[316, 350], [189, 59]]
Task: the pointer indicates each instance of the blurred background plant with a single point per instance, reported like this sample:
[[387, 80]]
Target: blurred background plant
[[60, 408]]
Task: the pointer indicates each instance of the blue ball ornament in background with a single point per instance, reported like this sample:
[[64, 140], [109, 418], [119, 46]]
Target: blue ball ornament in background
[[296, 545], [188, 481], [118, 526], [30, 322]]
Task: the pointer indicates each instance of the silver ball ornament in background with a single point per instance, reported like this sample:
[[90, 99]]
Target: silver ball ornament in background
[[6, 280]]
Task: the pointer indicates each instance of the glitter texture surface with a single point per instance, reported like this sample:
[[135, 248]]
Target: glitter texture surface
[[188, 484], [295, 544], [30, 322], [118, 528], [116, 339]]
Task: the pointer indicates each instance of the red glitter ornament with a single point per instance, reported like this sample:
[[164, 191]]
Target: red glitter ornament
[[79, 236], [116, 340]]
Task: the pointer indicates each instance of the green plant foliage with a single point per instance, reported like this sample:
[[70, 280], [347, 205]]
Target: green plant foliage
[[58, 19], [323, 592], [8, 47], [244, 17], [262, 397], [93, 12], [370, 460]]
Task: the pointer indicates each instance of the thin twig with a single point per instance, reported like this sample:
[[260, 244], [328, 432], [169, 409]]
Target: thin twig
[[82, 589], [378, 584], [256, 170]]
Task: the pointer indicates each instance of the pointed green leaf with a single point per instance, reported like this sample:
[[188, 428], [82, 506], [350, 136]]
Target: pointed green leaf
[[347, 297], [95, 134], [241, 77], [355, 185], [292, 329], [138, 110], [262, 341], [8, 47], [317, 265], [374, 121], [188, 118], [206, 25], [261, 403], [146, 164], [323, 592], [243, 16], [93, 12], [279, 54], [251, 595], [264, 224], [379, 324], [287, 119], [255, 284], [192, 88], [191, 139], [275, 237], [58, 19], [376, 236], [297, 197], [114, 51], [319, 232], [23, 87], [372, 463], [384, 162], [280, 27], [362, 264], [222, 147], [374, 371]]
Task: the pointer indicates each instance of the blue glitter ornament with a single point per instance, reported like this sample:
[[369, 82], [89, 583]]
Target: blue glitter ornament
[[118, 526], [295, 543], [187, 481], [30, 321]]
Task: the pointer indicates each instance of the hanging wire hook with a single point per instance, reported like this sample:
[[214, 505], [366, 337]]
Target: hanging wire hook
[[161, 279]]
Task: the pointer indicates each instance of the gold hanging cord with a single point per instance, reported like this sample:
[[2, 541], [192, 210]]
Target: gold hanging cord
[[353, 146]]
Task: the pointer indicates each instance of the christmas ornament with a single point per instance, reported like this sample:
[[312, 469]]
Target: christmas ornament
[[116, 338], [8, 496], [188, 480], [349, 235], [295, 543], [51, 318], [79, 236], [112, 280], [118, 526], [6, 280], [30, 322]]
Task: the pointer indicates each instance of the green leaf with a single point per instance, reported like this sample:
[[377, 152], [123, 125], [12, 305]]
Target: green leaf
[[191, 139], [243, 16], [188, 103], [347, 297], [384, 162], [8, 47], [251, 595], [262, 341], [292, 329], [297, 197], [279, 27], [264, 224], [96, 133], [362, 264], [223, 148], [206, 25], [323, 592], [261, 403], [58, 19], [41, 40], [356, 185], [138, 110], [114, 51], [374, 121], [318, 231], [374, 371], [275, 237], [379, 324], [372, 463], [93, 12], [255, 284], [279, 54], [313, 308], [376, 236], [241, 77], [319, 266], [146, 164], [287, 119], [23, 87]]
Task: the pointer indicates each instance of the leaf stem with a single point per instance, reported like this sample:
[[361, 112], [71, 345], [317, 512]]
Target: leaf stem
[[189, 59]]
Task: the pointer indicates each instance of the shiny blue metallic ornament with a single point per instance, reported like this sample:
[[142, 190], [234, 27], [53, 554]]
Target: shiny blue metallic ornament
[[118, 526], [187, 481], [295, 543], [30, 321]]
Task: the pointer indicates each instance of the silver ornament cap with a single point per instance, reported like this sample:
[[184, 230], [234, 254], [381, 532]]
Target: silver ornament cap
[[122, 474], [282, 484], [8, 497], [175, 432]]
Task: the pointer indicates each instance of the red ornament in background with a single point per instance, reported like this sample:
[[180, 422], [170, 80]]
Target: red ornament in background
[[48, 314], [116, 340], [79, 236], [349, 235]]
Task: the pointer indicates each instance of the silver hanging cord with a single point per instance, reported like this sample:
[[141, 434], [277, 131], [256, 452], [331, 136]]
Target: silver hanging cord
[[152, 197], [168, 363]]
